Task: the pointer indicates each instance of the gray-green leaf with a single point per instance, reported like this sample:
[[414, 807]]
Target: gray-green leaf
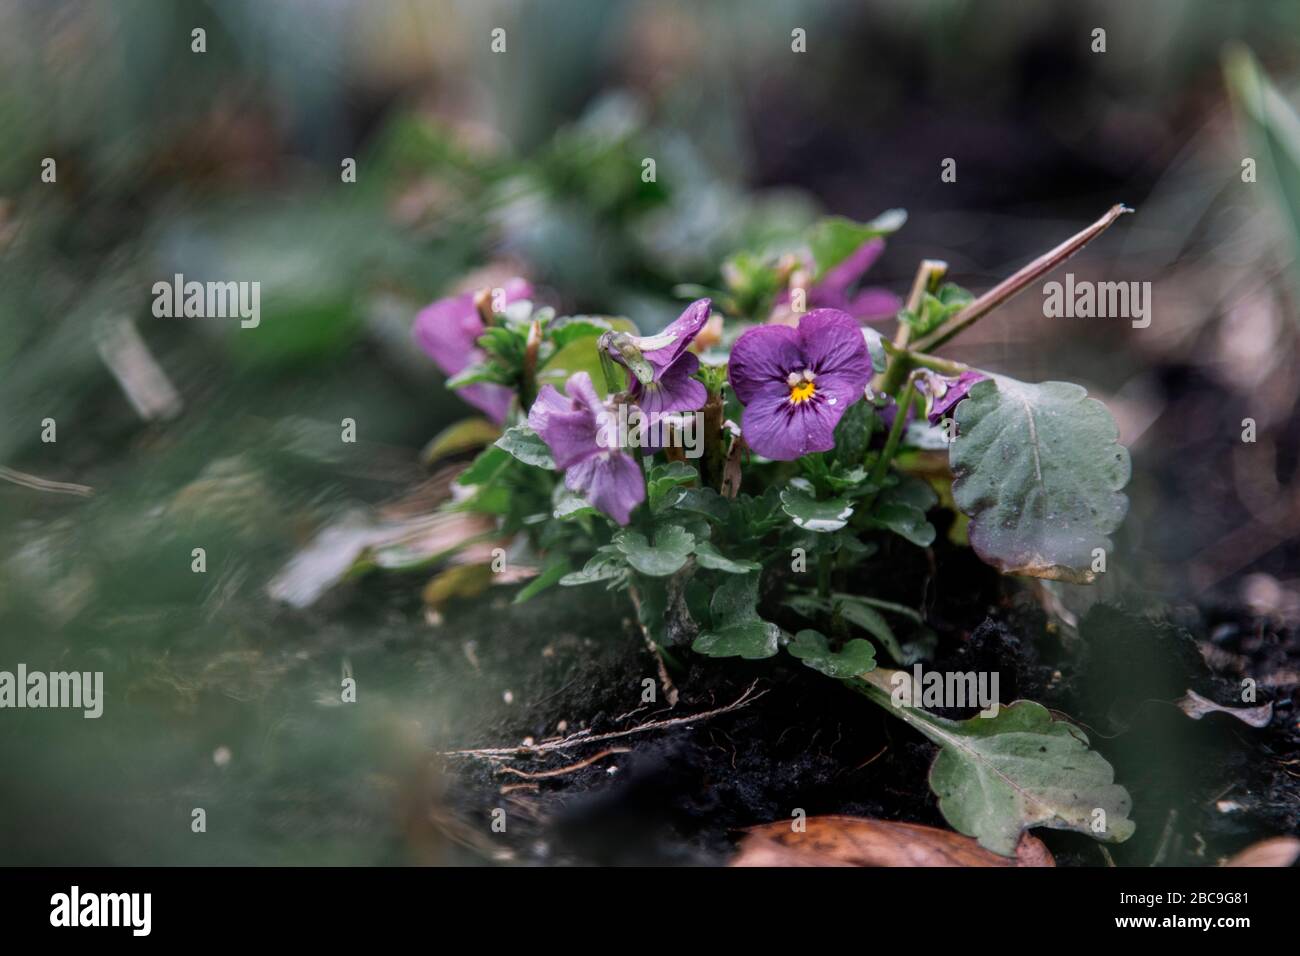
[[855, 657], [799, 502], [672, 546], [1038, 469], [708, 557], [997, 776], [526, 445], [737, 630]]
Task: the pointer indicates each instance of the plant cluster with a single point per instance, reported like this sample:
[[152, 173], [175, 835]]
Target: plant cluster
[[759, 449]]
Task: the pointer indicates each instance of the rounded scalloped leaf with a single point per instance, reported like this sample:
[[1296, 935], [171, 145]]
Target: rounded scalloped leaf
[[1039, 470]]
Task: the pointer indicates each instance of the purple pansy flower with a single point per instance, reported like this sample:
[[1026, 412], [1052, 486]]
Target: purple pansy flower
[[946, 392], [580, 430], [832, 292], [673, 389], [795, 383], [448, 331]]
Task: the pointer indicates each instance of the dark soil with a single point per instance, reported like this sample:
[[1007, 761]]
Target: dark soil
[[680, 795]]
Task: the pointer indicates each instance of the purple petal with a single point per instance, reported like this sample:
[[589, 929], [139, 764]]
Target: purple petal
[[674, 390], [872, 305], [448, 329], [957, 389], [567, 426], [776, 428], [833, 347], [683, 329], [838, 278], [493, 400], [764, 355], [889, 411], [611, 481]]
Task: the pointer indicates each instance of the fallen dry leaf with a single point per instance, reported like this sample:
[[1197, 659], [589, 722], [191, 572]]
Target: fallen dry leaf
[[858, 841], [1195, 706], [1277, 851]]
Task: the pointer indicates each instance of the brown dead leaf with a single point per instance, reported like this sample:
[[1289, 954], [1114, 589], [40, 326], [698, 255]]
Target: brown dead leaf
[[1277, 851], [858, 841], [1195, 706]]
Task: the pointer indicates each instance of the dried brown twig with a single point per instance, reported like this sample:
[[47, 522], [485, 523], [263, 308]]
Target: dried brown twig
[[583, 737]]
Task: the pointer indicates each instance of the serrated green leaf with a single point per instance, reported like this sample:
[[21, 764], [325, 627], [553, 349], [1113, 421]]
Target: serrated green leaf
[[1038, 468], [998, 776], [665, 477], [526, 445], [855, 657], [703, 501], [708, 557], [798, 501], [737, 630], [607, 563], [672, 546]]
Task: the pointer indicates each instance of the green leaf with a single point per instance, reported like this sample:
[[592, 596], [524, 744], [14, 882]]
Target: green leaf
[[798, 501], [485, 467], [874, 623], [663, 478], [567, 505], [1038, 468], [853, 434], [855, 657], [903, 520], [901, 508], [551, 574], [708, 557], [703, 501], [477, 374], [672, 546], [1272, 129], [580, 355], [876, 349], [607, 563], [997, 776], [835, 238], [463, 436], [737, 629], [566, 331], [526, 445]]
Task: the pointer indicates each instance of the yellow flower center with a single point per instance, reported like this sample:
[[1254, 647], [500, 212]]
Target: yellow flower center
[[802, 387], [802, 392]]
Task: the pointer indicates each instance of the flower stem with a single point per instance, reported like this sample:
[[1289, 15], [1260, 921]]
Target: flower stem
[[928, 276], [1013, 284], [936, 364], [895, 436]]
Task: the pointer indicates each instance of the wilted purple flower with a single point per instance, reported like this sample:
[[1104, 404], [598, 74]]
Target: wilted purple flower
[[832, 292], [580, 430], [796, 383], [673, 389], [946, 392], [448, 331]]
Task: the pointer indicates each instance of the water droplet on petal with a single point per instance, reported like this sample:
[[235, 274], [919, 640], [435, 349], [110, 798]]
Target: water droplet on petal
[[831, 401]]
